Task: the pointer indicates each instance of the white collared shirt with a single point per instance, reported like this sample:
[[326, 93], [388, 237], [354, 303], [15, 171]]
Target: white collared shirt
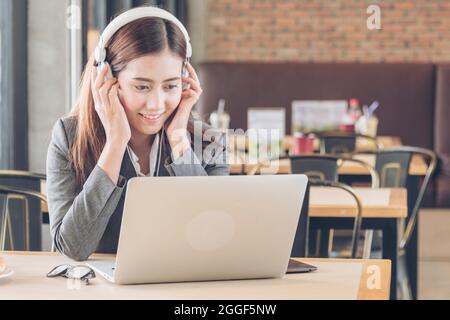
[[152, 159]]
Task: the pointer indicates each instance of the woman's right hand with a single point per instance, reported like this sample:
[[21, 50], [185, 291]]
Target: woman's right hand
[[109, 108]]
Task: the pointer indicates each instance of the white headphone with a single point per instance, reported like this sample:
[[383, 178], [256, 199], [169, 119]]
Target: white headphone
[[132, 15]]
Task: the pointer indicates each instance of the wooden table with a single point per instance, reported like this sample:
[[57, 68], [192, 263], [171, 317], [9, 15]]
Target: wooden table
[[334, 279], [240, 142], [331, 208], [239, 162], [376, 203]]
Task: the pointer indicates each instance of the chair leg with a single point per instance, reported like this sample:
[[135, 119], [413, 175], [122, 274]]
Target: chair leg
[[313, 250], [403, 281], [368, 237], [10, 231], [330, 241], [318, 242], [27, 223], [4, 223], [325, 243]]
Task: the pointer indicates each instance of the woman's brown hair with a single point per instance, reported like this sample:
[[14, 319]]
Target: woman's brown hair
[[141, 37]]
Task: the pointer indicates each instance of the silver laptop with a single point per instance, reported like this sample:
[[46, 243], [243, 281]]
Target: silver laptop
[[177, 229]]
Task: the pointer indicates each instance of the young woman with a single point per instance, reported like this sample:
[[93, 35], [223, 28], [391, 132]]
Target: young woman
[[137, 123]]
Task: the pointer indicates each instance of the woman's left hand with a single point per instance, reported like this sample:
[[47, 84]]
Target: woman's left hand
[[177, 128]]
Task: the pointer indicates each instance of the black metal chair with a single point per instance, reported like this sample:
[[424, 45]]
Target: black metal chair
[[28, 185], [393, 166], [342, 143], [5, 194], [358, 216], [325, 167], [321, 168], [345, 144]]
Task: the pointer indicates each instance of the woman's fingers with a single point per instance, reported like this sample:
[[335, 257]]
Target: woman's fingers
[[114, 97], [194, 84], [98, 79], [192, 72], [104, 93], [101, 76], [190, 94], [195, 89]]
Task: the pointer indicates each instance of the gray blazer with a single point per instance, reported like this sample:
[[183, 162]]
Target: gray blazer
[[87, 220]]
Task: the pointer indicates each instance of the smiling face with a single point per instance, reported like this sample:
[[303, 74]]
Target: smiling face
[[150, 91]]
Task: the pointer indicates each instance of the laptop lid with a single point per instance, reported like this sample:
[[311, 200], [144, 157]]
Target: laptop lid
[[178, 229]]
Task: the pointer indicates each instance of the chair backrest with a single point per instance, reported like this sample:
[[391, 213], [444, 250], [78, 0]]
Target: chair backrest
[[337, 144], [321, 167], [23, 192], [343, 143], [325, 167], [315, 166], [392, 167], [22, 174]]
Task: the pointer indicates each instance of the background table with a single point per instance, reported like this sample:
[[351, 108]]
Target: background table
[[376, 203], [241, 142]]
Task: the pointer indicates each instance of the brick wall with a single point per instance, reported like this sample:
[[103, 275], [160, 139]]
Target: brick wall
[[327, 31]]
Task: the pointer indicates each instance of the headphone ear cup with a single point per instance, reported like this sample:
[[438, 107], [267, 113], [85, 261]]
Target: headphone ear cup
[[189, 50], [100, 55], [185, 74]]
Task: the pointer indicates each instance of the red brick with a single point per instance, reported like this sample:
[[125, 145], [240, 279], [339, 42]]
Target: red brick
[[320, 30]]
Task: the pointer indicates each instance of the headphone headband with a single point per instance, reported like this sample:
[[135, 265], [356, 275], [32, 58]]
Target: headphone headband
[[132, 15]]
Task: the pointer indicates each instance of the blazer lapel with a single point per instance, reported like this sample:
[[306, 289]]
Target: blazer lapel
[[127, 169], [165, 152]]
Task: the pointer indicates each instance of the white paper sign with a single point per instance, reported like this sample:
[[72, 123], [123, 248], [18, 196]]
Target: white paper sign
[[268, 119], [317, 115], [266, 129]]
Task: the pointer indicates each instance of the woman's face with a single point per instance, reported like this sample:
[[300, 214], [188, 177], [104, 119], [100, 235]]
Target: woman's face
[[150, 90]]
